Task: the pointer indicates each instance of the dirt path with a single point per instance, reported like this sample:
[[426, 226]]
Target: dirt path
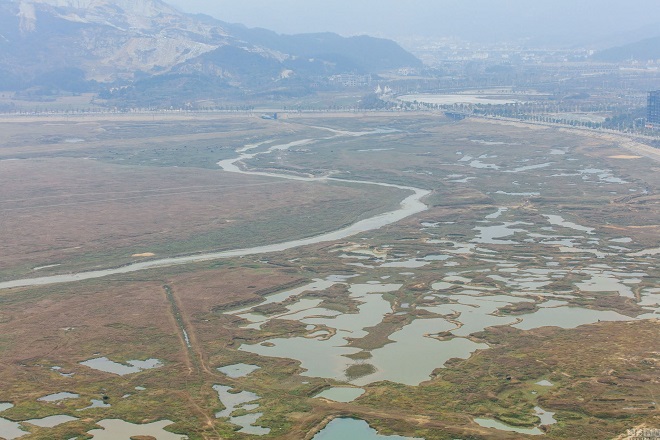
[[194, 356]]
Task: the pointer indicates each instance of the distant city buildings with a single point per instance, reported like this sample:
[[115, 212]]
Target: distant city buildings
[[653, 110]]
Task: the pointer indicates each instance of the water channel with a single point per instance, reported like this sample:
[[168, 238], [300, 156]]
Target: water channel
[[409, 206]]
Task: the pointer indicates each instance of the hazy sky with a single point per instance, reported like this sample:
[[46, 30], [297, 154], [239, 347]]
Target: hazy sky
[[570, 20]]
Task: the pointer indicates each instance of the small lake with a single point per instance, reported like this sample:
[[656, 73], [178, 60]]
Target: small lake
[[106, 365], [8, 429], [353, 429], [51, 421], [95, 403], [238, 370], [58, 396], [494, 234], [489, 423], [547, 417], [326, 358], [559, 221], [115, 429], [414, 355], [247, 424], [11, 430]]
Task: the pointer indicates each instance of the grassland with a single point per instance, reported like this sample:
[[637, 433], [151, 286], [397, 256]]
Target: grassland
[[483, 175], [70, 206]]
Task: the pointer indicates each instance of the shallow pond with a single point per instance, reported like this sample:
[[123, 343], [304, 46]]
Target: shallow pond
[[58, 396], [134, 366], [482, 165], [238, 370], [247, 424], [494, 234], [320, 358], [547, 417], [489, 423], [352, 429], [557, 220], [234, 401], [97, 404], [327, 358], [115, 429], [51, 421], [300, 308], [622, 240], [605, 281], [231, 401], [475, 314], [442, 285], [436, 257], [8, 429], [11, 430], [414, 355]]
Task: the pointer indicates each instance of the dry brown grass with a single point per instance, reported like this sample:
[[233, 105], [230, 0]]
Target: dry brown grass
[[57, 210]]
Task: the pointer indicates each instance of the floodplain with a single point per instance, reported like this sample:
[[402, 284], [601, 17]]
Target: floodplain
[[520, 301]]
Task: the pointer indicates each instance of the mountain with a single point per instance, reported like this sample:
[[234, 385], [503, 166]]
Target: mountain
[[364, 52], [142, 45], [621, 38], [643, 50], [107, 40]]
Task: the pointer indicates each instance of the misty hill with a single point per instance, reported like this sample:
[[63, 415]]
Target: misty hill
[[147, 46], [365, 53], [647, 49]]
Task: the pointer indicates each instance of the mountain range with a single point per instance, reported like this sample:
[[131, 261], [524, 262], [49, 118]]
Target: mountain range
[[643, 50], [148, 48]]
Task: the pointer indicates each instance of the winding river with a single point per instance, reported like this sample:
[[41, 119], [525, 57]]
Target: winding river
[[409, 206]]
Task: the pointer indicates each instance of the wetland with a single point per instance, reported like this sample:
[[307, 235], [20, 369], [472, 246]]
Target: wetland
[[461, 280]]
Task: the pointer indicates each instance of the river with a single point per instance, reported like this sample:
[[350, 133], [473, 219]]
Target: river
[[409, 206]]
